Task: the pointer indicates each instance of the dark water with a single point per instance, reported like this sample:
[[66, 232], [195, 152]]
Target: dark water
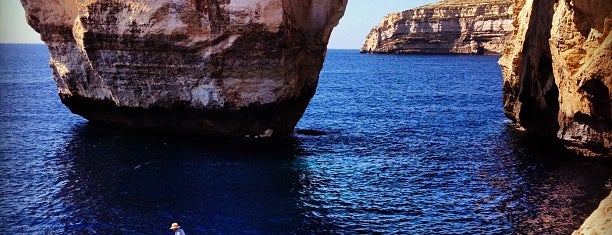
[[391, 144]]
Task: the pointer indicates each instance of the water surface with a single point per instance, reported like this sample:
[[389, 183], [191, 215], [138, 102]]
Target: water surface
[[391, 144]]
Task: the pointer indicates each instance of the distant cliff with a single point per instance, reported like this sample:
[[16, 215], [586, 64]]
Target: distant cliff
[[447, 27], [558, 72]]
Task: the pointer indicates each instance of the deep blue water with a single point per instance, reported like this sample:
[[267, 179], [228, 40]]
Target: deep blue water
[[390, 144]]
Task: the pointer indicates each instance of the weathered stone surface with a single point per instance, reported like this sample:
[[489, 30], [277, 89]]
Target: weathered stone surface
[[581, 48], [236, 67], [447, 27], [558, 72], [600, 221]]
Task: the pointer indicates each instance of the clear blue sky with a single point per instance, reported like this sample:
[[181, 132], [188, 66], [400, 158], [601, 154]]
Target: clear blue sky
[[360, 17]]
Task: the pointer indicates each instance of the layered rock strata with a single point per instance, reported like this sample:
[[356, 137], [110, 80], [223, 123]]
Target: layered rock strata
[[230, 67], [558, 72], [447, 27]]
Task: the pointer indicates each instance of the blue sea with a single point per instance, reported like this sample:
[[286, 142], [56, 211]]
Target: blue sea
[[392, 144]]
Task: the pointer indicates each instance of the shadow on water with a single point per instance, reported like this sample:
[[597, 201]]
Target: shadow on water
[[390, 159], [122, 182], [542, 188], [139, 184]]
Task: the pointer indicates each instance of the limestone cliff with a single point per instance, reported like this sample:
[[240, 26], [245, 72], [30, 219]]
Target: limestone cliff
[[450, 26], [236, 67], [600, 221], [558, 72]]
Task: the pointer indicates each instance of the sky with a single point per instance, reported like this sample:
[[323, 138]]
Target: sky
[[359, 18], [13, 26]]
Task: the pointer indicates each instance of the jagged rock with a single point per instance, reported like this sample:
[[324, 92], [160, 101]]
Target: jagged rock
[[447, 27], [235, 67], [558, 72]]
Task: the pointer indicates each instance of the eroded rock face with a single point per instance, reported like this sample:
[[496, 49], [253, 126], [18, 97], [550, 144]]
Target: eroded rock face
[[558, 72], [236, 67], [447, 27]]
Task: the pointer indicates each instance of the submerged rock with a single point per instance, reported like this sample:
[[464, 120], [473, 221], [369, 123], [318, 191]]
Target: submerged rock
[[231, 67], [558, 72], [447, 27]]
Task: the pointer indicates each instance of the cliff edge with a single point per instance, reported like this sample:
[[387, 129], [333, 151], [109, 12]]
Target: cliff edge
[[240, 67], [600, 221], [557, 72], [446, 27]]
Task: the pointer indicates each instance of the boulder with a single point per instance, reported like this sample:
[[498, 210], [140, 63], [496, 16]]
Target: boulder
[[221, 67]]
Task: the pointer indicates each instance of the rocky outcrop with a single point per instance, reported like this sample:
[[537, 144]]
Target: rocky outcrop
[[234, 67], [558, 72], [447, 27], [600, 221]]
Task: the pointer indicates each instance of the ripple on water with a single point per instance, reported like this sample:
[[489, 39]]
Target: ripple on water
[[414, 150]]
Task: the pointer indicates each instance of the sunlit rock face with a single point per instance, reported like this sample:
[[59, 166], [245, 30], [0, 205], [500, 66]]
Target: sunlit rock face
[[558, 72], [447, 27], [600, 221], [231, 67]]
